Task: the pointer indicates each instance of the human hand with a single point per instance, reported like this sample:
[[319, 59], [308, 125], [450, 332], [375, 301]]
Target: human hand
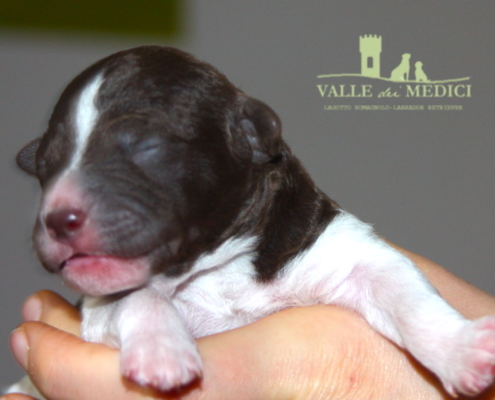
[[316, 352], [319, 352]]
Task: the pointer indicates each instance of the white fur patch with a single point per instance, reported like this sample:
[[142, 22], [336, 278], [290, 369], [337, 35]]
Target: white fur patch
[[228, 254], [348, 265], [86, 115]]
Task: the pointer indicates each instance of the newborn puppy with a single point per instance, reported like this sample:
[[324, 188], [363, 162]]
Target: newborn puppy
[[172, 203]]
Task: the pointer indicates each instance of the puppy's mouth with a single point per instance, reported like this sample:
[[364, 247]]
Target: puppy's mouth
[[64, 263], [99, 275]]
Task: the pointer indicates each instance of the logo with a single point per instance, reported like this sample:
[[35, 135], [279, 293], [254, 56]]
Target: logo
[[405, 87]]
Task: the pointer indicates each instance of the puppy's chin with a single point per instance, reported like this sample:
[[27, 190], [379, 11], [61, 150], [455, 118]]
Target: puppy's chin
[[104, 275]]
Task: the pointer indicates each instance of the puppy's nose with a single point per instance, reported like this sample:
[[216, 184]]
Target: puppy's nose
[[64, 224]]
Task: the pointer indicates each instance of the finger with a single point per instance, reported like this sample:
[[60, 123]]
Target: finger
[[16, 396], [63, 366], [50, 308]]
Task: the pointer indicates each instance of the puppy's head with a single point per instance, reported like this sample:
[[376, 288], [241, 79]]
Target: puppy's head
[[149, 158]]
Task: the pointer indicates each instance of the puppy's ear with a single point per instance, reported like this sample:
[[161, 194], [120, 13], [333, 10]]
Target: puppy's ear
[[26, 158], [262, 128]]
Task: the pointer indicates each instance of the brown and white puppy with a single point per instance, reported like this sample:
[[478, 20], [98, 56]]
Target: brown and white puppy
[[172, 203]]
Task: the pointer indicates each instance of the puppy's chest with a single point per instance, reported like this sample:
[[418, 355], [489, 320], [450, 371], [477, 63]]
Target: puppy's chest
[[231, 296], [225, 299]]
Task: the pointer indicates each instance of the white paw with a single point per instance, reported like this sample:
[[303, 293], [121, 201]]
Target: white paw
[[162, 365], [472, 366]]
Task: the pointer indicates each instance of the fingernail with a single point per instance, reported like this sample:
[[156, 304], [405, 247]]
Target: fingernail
[[31, 311], [19, 346]]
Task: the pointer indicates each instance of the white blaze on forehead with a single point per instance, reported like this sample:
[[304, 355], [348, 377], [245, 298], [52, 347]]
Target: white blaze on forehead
[[64, 191], [86, 115]]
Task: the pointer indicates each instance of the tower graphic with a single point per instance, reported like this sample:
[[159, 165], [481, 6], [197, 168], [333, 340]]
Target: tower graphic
[[370, 47]]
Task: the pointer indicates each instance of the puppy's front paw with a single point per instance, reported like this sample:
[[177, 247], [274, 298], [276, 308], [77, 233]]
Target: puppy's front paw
[[163, 364], [473, 367]]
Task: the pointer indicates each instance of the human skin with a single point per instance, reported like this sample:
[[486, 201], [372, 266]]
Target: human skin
[[319, 352]]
